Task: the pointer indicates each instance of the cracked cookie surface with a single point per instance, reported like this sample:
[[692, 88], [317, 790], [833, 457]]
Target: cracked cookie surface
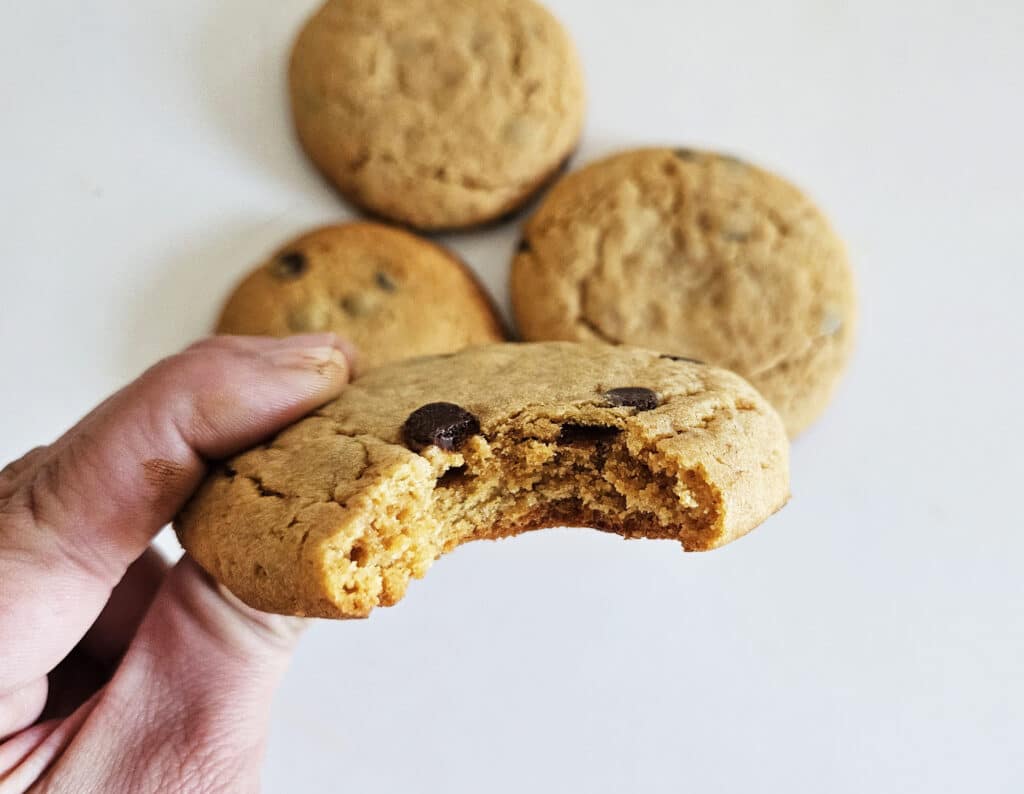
[[395, 295], [337, 514], [436, 113], [695, 254]]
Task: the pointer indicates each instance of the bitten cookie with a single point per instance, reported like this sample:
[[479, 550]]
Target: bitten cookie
[[334, 516], [395, 295], [439, 114], [699, 255]]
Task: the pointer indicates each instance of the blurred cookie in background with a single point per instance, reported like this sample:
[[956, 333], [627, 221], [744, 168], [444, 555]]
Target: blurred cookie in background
[[698, 255], [438, 114], [395, 295]]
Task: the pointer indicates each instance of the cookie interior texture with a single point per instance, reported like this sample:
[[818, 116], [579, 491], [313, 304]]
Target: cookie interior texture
[[392, 293], [438, 114], [697, 254], [338, 513]]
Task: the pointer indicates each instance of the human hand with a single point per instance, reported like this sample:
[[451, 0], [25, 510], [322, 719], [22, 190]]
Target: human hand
[[151, 679]]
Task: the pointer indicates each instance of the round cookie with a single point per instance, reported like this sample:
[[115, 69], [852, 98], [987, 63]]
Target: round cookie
[[395, 295], [698, 255], [440, 114], [340, 511]]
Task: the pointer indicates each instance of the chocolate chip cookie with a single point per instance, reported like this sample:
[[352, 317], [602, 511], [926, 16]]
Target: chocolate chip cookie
[[438, 114], [395, 295], [335, 515], [696, 254]]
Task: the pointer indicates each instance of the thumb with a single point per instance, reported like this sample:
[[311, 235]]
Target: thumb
[[191, 698], [75, 515]]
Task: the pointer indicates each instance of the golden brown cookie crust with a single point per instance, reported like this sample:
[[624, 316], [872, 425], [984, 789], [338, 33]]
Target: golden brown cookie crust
[[439, 114], [392, 293], [695, 254], [335, 515]]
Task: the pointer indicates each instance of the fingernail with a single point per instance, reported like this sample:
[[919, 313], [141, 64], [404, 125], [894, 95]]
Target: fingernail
[[351, 353], [327, 361], [316, 341]]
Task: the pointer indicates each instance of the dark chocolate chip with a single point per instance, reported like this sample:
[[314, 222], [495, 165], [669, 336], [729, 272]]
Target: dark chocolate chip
[[385, 282], [290, 265], [632, 397], [686, 154], [524, 246], [445, 425], [586, 434], [683, 358], [230, 472]]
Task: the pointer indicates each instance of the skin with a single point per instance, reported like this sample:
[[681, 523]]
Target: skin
[[118, 673]]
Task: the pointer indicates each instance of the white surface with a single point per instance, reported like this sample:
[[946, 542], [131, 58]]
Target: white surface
[[867, 639]]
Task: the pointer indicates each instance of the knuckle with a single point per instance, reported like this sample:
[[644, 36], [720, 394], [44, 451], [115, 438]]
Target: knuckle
[[15, 467], [15, 470], [43, 501], [206, 343], [168, 369], [194, 369], [35, 499]]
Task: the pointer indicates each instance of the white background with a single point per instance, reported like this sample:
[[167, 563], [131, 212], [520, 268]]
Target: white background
[[869, 638]]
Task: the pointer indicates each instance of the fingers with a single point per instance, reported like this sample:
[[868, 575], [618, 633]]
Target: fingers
[[73, 682], [228, 653], [81, 511], [114, 629], [26, 757], [16, 750], [191, 699], [91, 663], [21, 708]]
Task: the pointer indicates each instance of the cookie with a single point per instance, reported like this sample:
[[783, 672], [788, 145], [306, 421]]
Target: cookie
[[439, 114], [393, 294], [335, 515], [699, 255]]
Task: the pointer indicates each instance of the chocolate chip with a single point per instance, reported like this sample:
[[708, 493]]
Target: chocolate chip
[[230, 472], [524, 246], [632, 397], [385, 282], [290, 265], [586, 434], [683, 358], [686, 154], [445, 425]]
